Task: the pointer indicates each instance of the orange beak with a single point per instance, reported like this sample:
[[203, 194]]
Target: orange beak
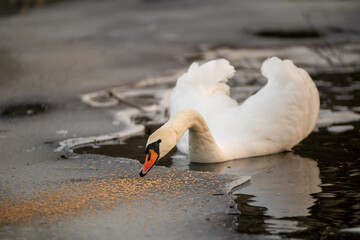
[[150, 160]]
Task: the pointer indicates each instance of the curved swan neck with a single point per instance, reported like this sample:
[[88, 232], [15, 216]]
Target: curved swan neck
[[202, 145], [188, 119]]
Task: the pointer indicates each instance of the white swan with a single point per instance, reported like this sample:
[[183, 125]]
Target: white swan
[[212, 127]]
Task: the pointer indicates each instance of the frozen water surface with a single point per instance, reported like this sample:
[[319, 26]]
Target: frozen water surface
[[340, 128]]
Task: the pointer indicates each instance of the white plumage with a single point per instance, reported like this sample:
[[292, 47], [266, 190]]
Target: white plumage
[[273, 120], [211, 127]]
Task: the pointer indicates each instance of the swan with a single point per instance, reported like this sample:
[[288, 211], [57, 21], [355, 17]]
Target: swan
[[211, 127]]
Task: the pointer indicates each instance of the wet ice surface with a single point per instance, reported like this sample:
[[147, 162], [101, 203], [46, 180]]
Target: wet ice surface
[[308, 193]]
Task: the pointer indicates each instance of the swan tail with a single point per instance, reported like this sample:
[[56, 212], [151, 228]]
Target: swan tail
[[209, 77]]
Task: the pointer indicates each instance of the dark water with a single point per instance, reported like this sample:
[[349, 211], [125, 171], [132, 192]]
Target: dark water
[[310, 193], [24, 109]]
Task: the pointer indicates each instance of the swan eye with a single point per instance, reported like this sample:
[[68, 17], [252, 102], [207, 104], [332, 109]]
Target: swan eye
[[155, 146]]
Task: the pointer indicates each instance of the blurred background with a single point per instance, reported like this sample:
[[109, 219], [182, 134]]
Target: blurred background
[[76, 72]]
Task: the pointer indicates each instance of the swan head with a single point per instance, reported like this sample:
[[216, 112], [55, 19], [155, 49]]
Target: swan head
[[158, 145]]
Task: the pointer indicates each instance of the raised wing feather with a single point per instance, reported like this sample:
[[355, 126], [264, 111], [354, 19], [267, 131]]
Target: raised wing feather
[[204, 89], [275, 119]]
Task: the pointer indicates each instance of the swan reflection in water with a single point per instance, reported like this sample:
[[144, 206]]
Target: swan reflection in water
[[281, 187]]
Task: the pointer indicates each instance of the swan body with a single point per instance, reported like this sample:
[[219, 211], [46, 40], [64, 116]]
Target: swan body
[[208, 125]]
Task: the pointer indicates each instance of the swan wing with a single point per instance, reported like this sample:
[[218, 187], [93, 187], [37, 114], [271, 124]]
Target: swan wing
[[274, 119], [204, 89]]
